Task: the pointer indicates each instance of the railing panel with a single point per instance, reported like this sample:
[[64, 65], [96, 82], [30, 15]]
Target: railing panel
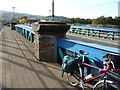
[[95, 51], [98, 32], [26, 31]]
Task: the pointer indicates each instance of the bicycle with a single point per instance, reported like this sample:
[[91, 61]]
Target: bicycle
[[77, 77]]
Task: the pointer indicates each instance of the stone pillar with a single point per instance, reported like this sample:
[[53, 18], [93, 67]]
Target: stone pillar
[[46, 34], [13, 25]]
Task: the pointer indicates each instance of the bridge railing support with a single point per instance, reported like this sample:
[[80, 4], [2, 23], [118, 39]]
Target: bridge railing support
[[46, 34]]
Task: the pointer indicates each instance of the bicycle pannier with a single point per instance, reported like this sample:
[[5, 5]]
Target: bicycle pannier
[[68, 64]]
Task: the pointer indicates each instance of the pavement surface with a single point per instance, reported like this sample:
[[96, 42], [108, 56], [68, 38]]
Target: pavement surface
[[21, 69]]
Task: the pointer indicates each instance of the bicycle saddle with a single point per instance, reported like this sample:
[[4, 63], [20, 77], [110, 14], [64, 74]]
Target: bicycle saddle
[[83, 53], [109, 54]]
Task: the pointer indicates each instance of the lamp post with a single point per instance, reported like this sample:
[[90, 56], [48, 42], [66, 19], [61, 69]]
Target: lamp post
[[13, 13], [53, 16], [13, 23]]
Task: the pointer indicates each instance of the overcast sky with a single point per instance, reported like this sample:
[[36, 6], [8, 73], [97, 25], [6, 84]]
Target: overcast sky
[[68, 8]]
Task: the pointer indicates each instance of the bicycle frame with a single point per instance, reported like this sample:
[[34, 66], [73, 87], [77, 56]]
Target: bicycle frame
[[86, 78], [102, 75]]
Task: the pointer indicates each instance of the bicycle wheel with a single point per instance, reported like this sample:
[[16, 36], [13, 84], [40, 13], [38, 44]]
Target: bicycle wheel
[[73, 77], [108, 86]]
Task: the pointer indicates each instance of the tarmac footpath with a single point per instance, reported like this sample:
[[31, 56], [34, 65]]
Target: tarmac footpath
[[21, 69]]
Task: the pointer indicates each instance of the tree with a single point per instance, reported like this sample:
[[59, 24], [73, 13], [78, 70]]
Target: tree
[[73, 20], [24, 17], [23, 20], [110, 20], [100, 20], [61, 20], [88, 21], [117, 20], [94, 21]]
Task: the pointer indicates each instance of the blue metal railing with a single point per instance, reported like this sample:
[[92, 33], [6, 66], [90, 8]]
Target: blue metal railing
[[26, 31], [92, 31], [95, 50]]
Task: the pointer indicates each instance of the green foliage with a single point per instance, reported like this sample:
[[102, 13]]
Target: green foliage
[[22, 21], [101, 20], [78, 20], [117, 20], [107, 20]]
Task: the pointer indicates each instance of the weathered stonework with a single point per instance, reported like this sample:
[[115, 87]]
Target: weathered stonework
[[13, 25], [46, 34]]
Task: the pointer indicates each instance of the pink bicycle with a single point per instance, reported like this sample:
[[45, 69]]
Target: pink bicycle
[[77, 77]]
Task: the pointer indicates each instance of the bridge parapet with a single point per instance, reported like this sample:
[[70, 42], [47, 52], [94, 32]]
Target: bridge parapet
[[50, 43], [95, 51], [93, 31]]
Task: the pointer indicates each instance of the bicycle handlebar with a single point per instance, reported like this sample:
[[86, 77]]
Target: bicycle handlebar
[[108, 67], [85, 53]]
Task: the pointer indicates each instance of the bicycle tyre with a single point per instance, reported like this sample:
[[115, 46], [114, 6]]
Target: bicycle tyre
[[109, 86], [73, 77]]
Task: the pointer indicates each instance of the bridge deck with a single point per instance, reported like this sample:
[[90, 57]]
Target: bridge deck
[[20, 68]]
